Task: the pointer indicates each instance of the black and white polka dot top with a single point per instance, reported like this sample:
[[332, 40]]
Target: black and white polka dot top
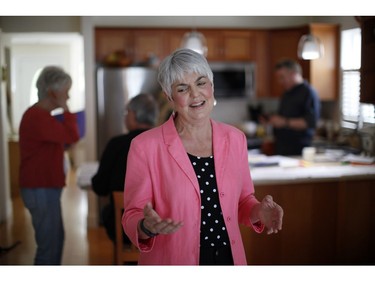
[[213, 230]]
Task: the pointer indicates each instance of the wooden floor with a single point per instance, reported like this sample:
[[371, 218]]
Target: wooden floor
[[83, 246]]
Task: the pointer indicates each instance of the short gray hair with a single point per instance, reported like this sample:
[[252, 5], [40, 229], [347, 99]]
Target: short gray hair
[[145, 108], [290, 65], [52, 78], [181, 62]]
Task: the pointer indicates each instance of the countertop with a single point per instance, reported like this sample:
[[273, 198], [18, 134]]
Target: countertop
[[282, 175], [294, 170], [274, 170]]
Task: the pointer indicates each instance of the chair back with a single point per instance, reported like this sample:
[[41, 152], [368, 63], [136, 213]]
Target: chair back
[[124, 253]]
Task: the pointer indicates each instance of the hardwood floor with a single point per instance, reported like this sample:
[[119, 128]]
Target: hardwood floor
[[83, 246]]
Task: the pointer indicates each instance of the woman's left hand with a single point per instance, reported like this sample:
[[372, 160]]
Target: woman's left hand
[[271, 214]]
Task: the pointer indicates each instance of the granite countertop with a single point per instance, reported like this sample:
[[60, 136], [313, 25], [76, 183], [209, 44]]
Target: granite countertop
[[274, 170], [281, 170]]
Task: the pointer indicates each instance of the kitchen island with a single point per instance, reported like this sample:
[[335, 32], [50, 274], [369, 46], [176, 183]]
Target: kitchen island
[[329, 215]]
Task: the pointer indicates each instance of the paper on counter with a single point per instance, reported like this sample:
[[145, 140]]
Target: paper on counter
[[261, 160], [358, 159], [85, 172]]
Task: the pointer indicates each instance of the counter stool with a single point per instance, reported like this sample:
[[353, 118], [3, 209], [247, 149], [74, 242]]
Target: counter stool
[[124, 253]]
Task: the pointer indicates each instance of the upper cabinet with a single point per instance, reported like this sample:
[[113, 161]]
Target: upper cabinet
[[230, 45], [147, 43], [282, 44], [111, 41], [125, 46], [322, 73], [368, 60], [264, 47]]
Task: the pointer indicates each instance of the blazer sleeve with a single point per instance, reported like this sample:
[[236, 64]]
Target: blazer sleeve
[[247, 198], [137, 194]]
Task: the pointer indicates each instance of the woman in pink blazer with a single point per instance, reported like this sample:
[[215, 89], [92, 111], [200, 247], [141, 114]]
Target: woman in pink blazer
[[188, 184]]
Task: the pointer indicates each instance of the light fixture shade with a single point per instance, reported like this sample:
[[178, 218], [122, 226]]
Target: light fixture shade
[[195, 41], [310, 47]]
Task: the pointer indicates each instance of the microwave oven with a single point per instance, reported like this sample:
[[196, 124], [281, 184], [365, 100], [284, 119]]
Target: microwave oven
[[233, 79]]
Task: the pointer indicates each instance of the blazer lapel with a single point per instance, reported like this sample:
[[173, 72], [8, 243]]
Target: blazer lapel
[[220, 148], [178, 152]]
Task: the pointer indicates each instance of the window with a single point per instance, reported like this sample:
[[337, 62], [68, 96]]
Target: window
[[354, 113]]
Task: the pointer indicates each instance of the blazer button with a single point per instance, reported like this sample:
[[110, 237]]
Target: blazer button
[[221, 194], [229, 218]]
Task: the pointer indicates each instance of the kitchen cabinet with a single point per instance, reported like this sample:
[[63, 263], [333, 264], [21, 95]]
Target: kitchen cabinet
[[230, 45], [137, 44], [262, 83], [282, 44], [368, 60], [223, 45], [322, 73], [263, 47], [147, 43], [173, 39], [111, 40]]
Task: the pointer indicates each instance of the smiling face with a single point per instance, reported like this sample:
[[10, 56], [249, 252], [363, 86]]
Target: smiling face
[[193, 98]]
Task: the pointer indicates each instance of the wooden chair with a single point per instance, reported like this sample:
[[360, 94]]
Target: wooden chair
[[124, 253]]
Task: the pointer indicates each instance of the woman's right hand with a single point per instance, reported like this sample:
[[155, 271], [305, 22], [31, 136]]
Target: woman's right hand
[[154, 223]]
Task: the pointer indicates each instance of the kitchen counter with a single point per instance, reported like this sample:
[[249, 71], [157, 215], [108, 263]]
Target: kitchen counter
[[329, 215], [281, 169], [289, 170], [282, 175]]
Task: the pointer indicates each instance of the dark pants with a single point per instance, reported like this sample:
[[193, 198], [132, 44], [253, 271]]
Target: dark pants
[[216, 256]]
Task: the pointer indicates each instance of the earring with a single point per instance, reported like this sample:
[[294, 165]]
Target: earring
[[215, 102]]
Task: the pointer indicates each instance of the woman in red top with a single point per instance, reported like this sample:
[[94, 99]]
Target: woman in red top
[[42, 141]]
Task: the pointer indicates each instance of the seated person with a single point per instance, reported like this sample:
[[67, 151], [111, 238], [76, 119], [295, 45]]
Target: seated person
[[141, 114]]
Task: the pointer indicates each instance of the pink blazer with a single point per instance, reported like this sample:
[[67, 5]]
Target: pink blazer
[[159, 171]]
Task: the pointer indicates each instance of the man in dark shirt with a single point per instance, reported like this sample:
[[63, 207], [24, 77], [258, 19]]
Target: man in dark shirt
[[298, 113], [141, 114]]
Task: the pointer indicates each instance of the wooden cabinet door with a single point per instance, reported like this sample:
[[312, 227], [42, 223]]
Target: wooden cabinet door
[[239, 45], [230, 45], [214, 45], [262, 78], [173, 40], [324, 72], [283, 44], [110, 40], [147, 43]]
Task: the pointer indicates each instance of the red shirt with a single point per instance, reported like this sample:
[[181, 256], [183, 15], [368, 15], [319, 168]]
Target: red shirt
[[42, 141]]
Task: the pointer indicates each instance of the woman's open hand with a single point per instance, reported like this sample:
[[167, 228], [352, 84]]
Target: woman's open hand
[[154, 223], [271, 214]]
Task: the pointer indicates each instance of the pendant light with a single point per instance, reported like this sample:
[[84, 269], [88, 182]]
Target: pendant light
[[195, 41], [310, 47]]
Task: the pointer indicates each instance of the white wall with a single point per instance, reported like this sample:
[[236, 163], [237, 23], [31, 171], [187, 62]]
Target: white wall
[[29, 53], [5, 204]]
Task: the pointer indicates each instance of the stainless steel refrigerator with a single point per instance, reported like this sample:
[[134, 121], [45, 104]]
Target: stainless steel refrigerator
[[115, 86]]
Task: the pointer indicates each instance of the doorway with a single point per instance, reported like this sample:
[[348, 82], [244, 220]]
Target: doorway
[[24, 55]]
